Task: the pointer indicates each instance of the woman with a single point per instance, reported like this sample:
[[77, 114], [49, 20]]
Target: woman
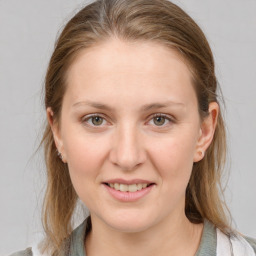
[[135, 132]]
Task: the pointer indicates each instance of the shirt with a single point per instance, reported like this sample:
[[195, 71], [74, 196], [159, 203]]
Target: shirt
[[207, 246]]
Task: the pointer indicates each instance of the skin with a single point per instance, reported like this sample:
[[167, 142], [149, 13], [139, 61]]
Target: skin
[[130, 144]]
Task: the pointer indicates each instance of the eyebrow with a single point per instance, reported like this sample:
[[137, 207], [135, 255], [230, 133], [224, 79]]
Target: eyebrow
[[144, 108]]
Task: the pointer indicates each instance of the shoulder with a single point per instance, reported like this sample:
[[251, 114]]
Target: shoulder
[[252, 242], [236, 243], [27, 252], [72, 245], [215, 242]]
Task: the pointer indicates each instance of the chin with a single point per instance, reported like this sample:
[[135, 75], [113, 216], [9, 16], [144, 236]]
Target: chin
[[130, 223], [129, 227]]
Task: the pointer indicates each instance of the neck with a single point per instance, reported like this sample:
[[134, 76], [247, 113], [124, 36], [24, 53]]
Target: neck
[[173, 236]]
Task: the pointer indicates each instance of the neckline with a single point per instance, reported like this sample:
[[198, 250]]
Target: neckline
[[207, 246]]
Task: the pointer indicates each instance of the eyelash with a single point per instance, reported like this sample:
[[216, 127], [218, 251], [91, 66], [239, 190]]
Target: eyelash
[[89, 117]]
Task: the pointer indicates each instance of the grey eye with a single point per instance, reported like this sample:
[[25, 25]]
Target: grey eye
[[97, 120], [159, 120]]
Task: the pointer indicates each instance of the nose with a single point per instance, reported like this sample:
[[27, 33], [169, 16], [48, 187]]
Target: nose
[[127, 151]]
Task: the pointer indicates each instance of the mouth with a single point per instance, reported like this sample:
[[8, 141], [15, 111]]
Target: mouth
[[129, 190], [129, 187]]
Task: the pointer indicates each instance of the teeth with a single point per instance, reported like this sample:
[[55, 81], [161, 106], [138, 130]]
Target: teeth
[[139, 186], [126, 188], [123, 188], [116, 186], [133, 188]]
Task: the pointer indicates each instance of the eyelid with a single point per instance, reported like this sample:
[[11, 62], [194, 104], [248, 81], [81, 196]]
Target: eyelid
[[166, 116], [163, 115]]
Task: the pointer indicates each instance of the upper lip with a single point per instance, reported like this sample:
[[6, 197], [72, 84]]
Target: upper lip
[[128, 182]]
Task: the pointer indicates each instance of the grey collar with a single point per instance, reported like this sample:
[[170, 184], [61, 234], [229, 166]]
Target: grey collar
[[208, 241], [207, 245]]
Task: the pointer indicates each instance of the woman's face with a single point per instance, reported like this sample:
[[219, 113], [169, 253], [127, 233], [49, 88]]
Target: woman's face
[[130, 118]]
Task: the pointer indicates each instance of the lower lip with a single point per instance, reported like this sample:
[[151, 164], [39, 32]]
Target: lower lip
[[128, 196]]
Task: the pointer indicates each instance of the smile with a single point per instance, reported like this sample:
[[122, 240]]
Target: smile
[[128, 188], [128, 191]]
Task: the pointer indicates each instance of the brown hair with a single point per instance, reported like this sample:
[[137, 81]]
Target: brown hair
[[141, 20]]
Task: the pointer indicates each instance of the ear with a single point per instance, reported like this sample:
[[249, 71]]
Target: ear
[[56, 134], [207, 129]]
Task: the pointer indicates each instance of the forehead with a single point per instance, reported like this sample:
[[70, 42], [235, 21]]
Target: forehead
[[115, 54], [145, 68]]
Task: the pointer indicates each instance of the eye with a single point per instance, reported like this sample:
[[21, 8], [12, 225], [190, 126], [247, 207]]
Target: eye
[[161, 119], [94, 120]]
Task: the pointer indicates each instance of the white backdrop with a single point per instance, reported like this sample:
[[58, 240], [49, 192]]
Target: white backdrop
[[28, 29]]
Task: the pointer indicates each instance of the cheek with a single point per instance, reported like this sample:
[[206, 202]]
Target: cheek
[[173, 158], [85, 156], [81, 156]]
